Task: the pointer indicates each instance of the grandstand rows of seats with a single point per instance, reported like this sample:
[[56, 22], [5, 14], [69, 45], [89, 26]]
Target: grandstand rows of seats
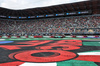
[[82, 24]]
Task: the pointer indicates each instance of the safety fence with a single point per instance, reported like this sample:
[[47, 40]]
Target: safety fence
[[73, 36]]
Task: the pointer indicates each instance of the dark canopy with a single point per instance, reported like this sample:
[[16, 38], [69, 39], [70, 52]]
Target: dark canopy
[[93, 5]]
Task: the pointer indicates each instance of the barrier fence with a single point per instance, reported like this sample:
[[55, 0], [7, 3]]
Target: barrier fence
[[73, 36]]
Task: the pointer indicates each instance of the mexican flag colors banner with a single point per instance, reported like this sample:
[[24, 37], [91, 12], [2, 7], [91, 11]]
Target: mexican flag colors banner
[[50, 53]]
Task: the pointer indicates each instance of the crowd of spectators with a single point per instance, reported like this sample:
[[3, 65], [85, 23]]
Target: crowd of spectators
[[82, 24]]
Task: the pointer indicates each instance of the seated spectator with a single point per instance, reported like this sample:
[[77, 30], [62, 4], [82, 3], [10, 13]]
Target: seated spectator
[[52, 25]]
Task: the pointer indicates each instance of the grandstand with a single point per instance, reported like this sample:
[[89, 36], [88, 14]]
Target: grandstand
[[65, 25], [75, 18], [67, 34]]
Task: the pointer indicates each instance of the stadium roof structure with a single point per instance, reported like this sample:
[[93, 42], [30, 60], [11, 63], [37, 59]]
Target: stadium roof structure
[[93, 5]]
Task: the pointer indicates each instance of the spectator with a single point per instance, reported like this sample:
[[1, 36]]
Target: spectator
[[52, 25]]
